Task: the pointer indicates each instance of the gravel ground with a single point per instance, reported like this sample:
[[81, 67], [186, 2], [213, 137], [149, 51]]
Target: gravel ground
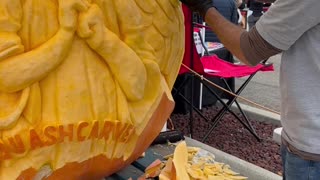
[[231, 137]]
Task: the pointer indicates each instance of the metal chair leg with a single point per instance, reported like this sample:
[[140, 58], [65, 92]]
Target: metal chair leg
[[226, 108]]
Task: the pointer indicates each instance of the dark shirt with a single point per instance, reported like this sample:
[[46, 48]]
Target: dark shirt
[[226, 8], [255, 6]]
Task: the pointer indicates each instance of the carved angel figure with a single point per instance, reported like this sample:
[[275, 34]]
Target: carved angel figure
[[84, 84]]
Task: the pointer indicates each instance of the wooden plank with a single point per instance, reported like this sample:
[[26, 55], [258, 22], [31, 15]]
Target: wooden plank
[[126, 173], [143, 163], [162, 149], [153, 153], [110, 178], [137, 168]]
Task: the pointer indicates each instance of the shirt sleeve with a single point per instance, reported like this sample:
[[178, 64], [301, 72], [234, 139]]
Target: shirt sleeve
[[255, 48], [287, 20]]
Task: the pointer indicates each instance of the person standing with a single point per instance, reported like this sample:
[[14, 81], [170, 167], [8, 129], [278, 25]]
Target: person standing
[[256, 7], [293, 29], [228, 9]]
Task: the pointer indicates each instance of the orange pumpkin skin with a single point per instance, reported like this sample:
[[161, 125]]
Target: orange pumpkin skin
[[100, 166]]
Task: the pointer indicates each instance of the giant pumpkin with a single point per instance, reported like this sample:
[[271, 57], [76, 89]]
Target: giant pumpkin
[[84, 84]]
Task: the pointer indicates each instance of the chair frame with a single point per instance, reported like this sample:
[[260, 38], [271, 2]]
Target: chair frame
[[226, 105]]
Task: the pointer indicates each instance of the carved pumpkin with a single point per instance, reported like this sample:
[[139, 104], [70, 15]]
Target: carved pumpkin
[[84, 84]]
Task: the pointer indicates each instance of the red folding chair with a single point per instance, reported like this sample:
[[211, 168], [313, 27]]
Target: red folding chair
[[213, 66], [189, 56]]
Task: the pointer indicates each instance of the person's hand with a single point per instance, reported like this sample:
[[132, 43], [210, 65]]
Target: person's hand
[[91, 26], [200, 6], [68, 13]]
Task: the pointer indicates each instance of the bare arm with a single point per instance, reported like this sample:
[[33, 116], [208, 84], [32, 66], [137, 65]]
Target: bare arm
[[250, 47], [228, 33]]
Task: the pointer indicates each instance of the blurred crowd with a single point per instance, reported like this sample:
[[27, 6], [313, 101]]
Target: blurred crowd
[[258, 7], [232, 11]]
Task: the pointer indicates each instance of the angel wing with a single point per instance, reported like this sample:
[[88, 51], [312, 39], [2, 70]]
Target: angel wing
[[154, 30], [161, 24], [164, 31]]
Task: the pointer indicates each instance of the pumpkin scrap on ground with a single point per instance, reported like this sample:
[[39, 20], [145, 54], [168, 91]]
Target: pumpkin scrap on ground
[[154, 169], [191, 163]]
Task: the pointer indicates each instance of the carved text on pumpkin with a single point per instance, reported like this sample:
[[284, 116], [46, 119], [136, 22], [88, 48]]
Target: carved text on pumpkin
[[55, 134]]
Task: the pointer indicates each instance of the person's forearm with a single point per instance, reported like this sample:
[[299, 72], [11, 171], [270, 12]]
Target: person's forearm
[[228, 33]]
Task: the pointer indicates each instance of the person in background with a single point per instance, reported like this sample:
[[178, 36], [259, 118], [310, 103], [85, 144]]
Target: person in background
[[256, 7], [238, 3], [290, 27], [228, 9], [241, 4]]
